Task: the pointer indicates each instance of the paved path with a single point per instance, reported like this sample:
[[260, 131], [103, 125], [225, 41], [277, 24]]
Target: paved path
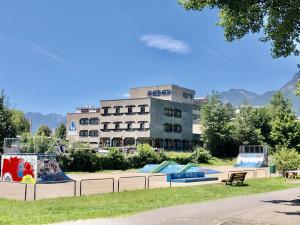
[[274, 208]]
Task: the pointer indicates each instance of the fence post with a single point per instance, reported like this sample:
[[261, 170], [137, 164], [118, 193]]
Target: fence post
[[80, 183], [119, 185], [113, 186], [34, 192], [25, 197], [75, 188]]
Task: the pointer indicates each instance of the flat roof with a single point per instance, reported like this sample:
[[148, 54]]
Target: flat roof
[[163, 85]]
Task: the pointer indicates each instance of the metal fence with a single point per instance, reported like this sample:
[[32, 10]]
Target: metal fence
[[146, 182], [53, 182], [96, 179], [131, 177]]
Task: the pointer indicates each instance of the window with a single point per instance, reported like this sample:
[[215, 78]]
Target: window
[[184, 94], [142, 109], [93, 133], [149, 93], [168, 112], [94, 121], [166, 92], [168, 127], [83, 133], [177, 113], [117, 126], [118, 110], [105, 111], [129, 126], [84, 121], [142, 126], [105, 127], [177, 128], [129, 110]]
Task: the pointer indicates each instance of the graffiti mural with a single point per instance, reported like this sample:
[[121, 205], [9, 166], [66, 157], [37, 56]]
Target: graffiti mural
[[31, 169], [19, 168], [49, 170]]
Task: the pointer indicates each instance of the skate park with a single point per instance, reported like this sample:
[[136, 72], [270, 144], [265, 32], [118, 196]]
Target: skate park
[[30, 177]]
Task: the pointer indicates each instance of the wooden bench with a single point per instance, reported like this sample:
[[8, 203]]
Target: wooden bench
[[239, 177]]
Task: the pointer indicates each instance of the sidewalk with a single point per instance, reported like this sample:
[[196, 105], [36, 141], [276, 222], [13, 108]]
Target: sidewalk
[[274, 208]]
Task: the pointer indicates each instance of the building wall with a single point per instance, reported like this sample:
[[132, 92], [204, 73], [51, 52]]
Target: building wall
[[177, 93], [158, 119], [136, 117], [74, 136]]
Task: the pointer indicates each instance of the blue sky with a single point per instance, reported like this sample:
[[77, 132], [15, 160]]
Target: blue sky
[[56, 55]]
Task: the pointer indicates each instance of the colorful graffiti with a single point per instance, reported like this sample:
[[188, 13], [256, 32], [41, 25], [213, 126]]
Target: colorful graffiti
[[49, 170], [31, 169], [19, 168]]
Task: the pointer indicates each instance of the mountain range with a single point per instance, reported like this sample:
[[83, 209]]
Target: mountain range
[[240, 96], [51, 120], [233, 96]]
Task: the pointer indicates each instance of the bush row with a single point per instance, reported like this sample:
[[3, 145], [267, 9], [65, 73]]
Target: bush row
[[85, 159]]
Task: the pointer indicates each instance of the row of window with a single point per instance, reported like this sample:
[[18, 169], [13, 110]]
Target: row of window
[[86, 121], [159, 93], [91, 133], [129, 111], [169, 112], [176, 128], [129, 126]]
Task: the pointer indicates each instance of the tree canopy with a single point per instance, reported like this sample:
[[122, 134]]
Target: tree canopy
[[44, 130], [21, 123], [277, 21]]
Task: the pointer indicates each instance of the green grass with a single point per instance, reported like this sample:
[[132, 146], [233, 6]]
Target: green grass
[[125, 203]]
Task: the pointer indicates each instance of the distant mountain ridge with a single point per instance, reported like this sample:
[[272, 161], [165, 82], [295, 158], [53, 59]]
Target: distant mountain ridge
[[240, 96], [52, 120]]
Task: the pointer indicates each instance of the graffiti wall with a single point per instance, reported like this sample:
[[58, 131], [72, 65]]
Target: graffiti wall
[[19, 168], [49, 170]]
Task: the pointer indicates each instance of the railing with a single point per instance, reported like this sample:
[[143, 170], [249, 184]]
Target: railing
[[263, 169], [96, 179], [53, 182], [130, 177], [14, 182], [155, 175]]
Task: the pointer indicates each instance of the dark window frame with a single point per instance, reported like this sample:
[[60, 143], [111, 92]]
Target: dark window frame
[[83, 133], [93, 133], [94, 119], [177, 113], [168, 128], [84, 123]]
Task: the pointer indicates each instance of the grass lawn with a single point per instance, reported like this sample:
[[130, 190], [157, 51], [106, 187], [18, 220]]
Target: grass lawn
[[120, 204], [220, 162]]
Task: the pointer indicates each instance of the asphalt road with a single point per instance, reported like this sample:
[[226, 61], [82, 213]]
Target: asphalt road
[[274, 208]]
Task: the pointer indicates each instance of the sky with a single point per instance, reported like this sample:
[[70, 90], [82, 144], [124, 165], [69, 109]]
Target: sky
[[56, 55]]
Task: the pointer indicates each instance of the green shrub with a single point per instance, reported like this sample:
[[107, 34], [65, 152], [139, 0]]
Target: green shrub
[[179, 157], [79, 160], [146, 154], [286, 159], [116, 159], [200, 155]]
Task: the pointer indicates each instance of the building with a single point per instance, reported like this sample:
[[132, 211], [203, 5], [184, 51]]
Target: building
[[165, 116]]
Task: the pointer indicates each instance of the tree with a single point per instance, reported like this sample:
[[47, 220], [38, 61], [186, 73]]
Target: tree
[[215, 118], [278, 21], [44, 130], [60, 132], [285, 129], [245, 132], [7, 127], [21, 123]]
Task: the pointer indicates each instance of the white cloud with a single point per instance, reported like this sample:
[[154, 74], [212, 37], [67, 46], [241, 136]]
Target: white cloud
[[165, 42], [125, 95]]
